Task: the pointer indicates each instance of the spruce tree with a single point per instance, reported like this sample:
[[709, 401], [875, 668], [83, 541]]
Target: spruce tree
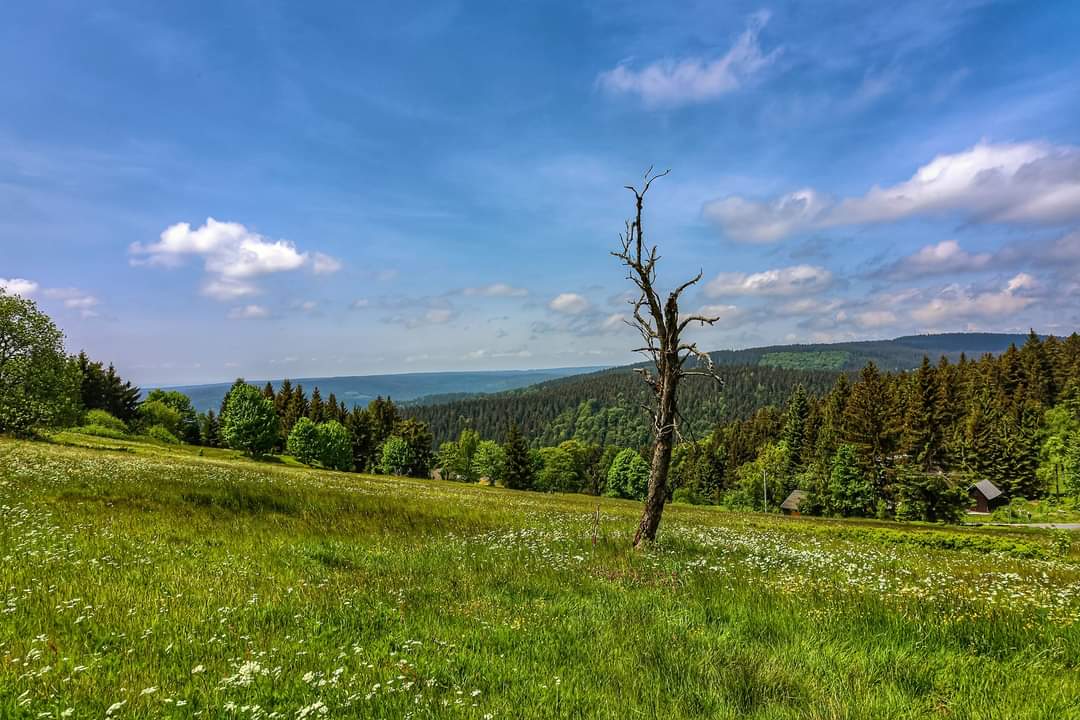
[[316, 411], [518, 473], [920, 439], [794, 432]]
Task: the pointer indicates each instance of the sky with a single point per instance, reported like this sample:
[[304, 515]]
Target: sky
[[202, 190]]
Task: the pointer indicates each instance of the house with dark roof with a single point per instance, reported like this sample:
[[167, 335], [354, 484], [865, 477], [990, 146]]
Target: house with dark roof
[[790, 506], [985, 496]]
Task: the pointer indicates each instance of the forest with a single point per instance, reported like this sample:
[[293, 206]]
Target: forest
[[874, 443]]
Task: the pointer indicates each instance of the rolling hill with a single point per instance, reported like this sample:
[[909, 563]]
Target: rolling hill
[[604, 407], [361, 389]]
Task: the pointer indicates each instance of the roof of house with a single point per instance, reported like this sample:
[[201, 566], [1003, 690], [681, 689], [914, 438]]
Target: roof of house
[[793, 500], [988, 489]]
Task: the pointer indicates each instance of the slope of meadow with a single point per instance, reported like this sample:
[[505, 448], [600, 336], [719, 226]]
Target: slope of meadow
[[139, 581]]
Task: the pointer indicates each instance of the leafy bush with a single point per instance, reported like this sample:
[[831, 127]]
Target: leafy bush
[[156, 412], [162, 434], [334, 445], [628, 476], [101, 431], [101, 418], [688, 497], [303, 442], [395, 456], [248, 420]]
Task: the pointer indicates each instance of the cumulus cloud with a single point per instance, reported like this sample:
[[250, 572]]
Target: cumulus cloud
[[670, 82], [569, 304], [19, 286], [233, 256], [727, 315], [794, 280], [955, 303], [873, 319], [496, 290], [1032, 182], [248, 312], [942, 258]]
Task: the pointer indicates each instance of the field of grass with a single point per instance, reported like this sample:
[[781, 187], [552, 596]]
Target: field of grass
[[145, 581]]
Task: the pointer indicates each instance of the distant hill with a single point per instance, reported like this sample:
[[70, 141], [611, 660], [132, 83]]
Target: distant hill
[[605, 407], [901, 353], [403, 387]]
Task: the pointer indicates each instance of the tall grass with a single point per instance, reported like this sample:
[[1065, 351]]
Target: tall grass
[[159, 583]]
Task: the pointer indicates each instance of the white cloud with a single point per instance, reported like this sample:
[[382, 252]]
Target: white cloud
[[945, 257], [228, 289], [75, 299], [438, 316], [248, 312], [19, 286], [874, 318], [496, 290], [955, 303], [569, 304], [323, 264], [726, 315], [360, 304], [797, 279], [669, 82], [1032, 182], [232, 256], [613, 322]]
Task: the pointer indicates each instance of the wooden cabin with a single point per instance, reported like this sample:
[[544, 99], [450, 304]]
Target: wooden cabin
[[790, 506], [985, 497]]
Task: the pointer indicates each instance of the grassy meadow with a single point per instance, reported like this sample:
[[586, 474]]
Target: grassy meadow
[[146, 581]]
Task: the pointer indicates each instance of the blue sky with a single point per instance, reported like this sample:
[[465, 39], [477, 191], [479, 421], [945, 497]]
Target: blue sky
[[201, 190]]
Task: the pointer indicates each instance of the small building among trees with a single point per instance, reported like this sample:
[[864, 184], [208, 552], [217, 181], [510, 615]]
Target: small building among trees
[[985, 496], [790, 506]]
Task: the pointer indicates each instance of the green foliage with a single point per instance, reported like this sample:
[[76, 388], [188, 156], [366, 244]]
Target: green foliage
[[628, 476], [248, 421], [187, 425], [155, 412], [104, 389], [490, 461], [101, 418], [850, 493], [39, 383], [687, 496], [162, 434], [558, 471], [303, 442], [768, 470], [808, 360], [101, 431], [335, 446], [519, 473], [931, 497], [395, 456]]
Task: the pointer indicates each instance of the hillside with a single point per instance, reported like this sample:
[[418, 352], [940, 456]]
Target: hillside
[[902, 353], [605, 407], [402, 387], [146, 581]]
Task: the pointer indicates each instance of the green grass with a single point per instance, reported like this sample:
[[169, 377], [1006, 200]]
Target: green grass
[[186, 585]]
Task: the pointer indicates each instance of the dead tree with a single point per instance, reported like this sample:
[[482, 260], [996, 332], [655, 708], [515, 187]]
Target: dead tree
[[661, 327]]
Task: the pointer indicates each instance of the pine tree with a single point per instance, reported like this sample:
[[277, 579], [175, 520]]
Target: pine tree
[[519, 473], [268, 391], [316, 411], [794, 433], [921, 439], [870, 423]]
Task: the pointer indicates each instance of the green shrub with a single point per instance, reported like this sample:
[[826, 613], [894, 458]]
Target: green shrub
[[101, 418], [335, 446], [303, 442], [162, 434], [687, 496], [101, 431]]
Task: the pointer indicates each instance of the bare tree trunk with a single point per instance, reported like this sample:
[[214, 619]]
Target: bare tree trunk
[[663, 444], [661, 327]]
